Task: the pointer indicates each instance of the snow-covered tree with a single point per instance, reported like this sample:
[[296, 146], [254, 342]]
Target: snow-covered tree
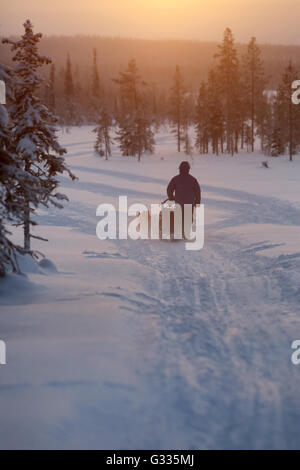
[[103, 140], [52, 88], [34, 131], [7, 250], [12, 177]]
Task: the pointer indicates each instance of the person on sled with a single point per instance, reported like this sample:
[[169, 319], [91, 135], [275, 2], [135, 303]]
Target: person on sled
[[184, 189]]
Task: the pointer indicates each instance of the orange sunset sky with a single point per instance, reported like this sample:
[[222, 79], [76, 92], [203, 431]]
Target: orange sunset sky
[[273, 21]]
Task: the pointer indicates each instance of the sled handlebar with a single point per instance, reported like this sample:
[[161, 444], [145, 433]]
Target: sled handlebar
[[171, 200]]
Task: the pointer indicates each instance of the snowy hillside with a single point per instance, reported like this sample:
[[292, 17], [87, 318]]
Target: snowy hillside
[[142, 344]]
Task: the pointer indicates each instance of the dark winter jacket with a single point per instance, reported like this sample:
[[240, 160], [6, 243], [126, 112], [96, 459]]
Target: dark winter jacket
[[184, 189]]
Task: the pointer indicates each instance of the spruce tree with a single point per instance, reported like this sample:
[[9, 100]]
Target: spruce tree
[[253, 83], [134, 124], [10, 210], [34, 132], [13, 179], [276, 144], [264, 122], [103, 140], [214, 111], [287, 114], [177, 99], [130, 83], [52, 88], [69, 84], [201, 119], [95, 77], [187, 110], [135, 134], [69, 92], [125, 135], [228, 76], [143, 136]]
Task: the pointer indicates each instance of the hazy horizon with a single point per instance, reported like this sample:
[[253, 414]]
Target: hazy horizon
[[271, 21], [136, 38]]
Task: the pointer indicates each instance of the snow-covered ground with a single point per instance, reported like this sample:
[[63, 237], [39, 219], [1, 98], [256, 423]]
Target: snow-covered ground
[[142, 344]]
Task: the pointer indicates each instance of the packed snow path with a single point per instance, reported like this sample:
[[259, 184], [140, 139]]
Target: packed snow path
[[142, 344]]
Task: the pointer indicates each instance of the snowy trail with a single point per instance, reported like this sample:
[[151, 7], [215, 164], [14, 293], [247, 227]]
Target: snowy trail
[[146, 345], [221, 353]]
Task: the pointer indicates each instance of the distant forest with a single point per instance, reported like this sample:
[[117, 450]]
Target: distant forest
[[156, 59], [231, 93]]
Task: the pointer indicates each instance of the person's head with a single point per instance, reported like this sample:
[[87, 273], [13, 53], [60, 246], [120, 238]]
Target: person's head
[[184, 168]]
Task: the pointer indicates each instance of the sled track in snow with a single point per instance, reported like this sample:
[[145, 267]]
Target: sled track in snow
[[223, 347]]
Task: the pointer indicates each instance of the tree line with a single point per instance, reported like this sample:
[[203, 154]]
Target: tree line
[[233, 110]]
